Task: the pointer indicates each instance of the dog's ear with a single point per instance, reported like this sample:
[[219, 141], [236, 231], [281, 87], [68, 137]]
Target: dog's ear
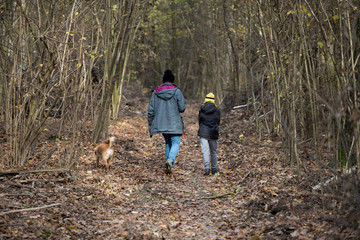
[[107, 141]]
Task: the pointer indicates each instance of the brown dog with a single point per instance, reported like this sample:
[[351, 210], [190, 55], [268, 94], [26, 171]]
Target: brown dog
[[105, 152]]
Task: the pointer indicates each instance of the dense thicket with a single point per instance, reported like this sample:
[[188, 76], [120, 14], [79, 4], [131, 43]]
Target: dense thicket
[[293, 63], [64, 59]]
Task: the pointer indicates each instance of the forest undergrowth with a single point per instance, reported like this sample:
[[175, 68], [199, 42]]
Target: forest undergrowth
[[255, 196]]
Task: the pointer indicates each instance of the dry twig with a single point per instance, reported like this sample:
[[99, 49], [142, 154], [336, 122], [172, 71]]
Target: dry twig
[[30, 209]]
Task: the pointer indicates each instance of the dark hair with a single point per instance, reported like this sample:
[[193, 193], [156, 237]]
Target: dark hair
[[168, 76]]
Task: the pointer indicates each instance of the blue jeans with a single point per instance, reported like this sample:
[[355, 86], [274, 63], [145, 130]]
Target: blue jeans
[[208, 149], [172, 145]]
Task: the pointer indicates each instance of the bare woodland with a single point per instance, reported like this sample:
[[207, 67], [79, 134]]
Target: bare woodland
[[73, 71]]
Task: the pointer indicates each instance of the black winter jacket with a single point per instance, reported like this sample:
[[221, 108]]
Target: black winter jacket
[[209, 120]]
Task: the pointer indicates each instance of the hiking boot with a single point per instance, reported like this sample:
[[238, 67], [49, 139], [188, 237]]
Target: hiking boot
[[214, 170], [168, 167], [207, 171]]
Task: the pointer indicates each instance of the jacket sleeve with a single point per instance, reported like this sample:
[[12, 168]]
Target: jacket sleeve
[[180, 101], [151, 110], [199, 116]]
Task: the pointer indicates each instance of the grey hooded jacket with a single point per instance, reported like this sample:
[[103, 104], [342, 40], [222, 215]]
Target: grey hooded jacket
[[166, 104]]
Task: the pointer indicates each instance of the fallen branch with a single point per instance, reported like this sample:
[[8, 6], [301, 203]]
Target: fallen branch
[[327, 196], [242, 106], [30, 209], [224, 194], [253, 118], [14, 194], [20, 185], [147, 189], [324, 184], [219, 196], [33, 171], [47, 158], [261, 116]]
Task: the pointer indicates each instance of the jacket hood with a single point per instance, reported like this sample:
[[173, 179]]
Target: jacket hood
[[165, 91], [208, 108]]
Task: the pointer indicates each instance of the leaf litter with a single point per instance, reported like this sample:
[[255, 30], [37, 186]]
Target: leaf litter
[[255, 196]]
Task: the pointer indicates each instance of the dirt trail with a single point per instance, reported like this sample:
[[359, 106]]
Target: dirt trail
[[176, 206], [254, 197]]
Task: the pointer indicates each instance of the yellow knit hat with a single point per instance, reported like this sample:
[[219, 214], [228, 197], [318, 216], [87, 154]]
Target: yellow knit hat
[[210, 98]]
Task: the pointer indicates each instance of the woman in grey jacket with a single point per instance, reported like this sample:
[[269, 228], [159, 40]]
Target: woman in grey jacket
[[166, 104]]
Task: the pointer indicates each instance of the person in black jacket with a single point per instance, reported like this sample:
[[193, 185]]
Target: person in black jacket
[[209, 121]]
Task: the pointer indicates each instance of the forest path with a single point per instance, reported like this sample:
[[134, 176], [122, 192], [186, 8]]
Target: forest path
[[179, 205], [187, 204], [253, 197]]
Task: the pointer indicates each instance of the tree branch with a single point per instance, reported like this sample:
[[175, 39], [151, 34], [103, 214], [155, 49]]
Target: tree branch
[[33, 171], [30, 209]]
